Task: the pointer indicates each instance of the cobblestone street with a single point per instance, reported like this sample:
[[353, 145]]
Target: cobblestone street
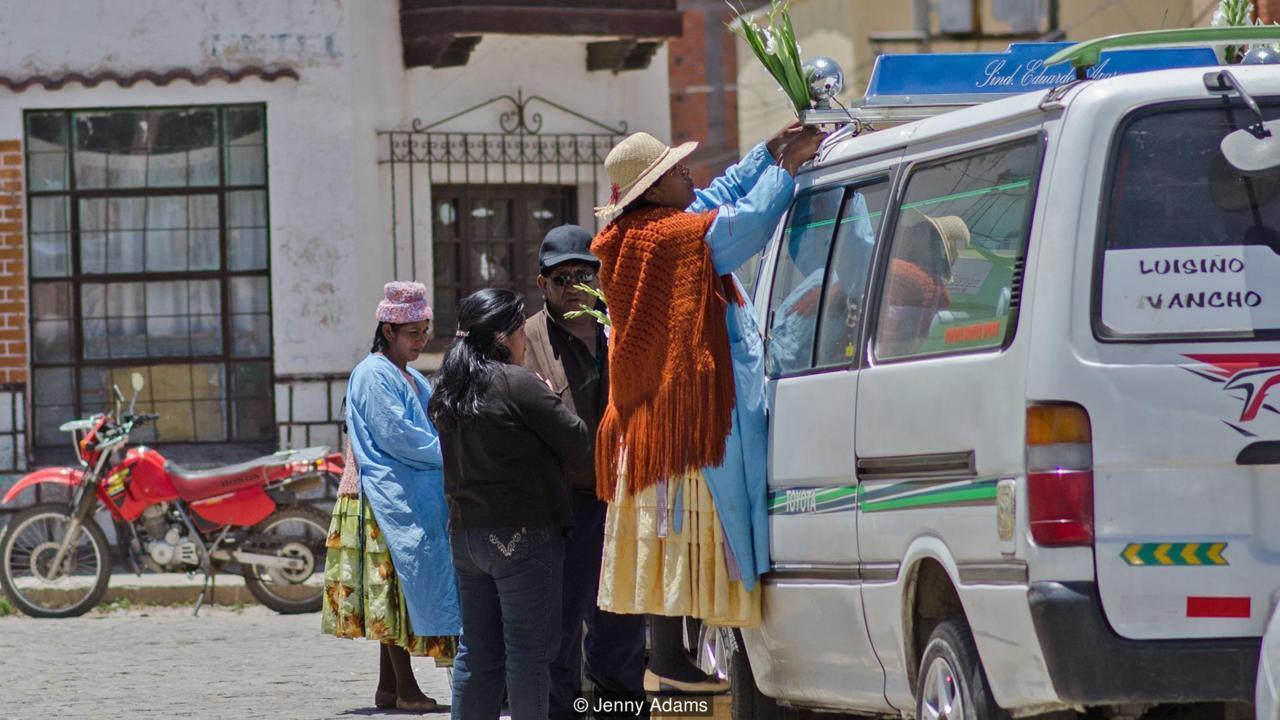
[[163, 663]]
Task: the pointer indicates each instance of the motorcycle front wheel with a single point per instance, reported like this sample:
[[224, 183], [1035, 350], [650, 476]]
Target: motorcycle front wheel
[[296, 532], [28, 576]]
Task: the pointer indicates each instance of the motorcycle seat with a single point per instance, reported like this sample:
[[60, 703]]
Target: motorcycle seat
[[201, 484]]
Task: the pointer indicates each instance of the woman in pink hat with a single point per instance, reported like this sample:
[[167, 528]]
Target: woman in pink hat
[[388, 573]]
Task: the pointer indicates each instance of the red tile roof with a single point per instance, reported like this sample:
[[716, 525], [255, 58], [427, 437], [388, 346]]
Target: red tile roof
[[156, 78]]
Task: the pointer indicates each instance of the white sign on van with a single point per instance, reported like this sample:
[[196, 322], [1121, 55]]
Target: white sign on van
[[1231, 288]]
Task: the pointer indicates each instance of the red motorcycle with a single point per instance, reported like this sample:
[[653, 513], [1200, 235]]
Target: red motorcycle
[[54, 557]]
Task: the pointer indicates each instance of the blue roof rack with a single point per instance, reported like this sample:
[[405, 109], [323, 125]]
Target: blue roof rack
[[906, 87]]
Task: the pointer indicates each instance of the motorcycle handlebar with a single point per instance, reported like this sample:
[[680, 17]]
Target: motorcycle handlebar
[[117, 435]]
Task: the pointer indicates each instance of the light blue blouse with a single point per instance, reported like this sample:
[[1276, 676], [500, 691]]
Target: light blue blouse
[[401, 477], [752, 197]]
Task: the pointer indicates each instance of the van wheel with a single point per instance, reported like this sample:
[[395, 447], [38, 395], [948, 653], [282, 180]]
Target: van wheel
[[747, 702], [952, 684]]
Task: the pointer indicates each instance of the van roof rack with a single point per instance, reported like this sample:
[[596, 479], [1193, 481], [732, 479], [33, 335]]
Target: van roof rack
[[1087, 54], [908, 87]]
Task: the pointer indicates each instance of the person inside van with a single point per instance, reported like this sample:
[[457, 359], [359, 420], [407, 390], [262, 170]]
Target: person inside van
[[924, 253]]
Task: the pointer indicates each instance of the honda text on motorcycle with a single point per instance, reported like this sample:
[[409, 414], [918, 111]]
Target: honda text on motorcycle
[[54, 557]]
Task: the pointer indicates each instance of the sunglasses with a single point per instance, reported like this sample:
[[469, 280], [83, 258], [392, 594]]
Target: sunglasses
[[586, 277]]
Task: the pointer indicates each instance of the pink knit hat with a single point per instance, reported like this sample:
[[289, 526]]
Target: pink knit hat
[[406, 302]]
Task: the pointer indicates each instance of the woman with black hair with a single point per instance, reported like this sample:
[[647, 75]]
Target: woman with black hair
[[388, 571], [508, 441]]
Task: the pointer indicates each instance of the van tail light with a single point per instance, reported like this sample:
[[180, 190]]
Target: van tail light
[[1060, 474]]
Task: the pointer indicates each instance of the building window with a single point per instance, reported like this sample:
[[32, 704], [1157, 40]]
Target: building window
[[149, 253], [488, 236]]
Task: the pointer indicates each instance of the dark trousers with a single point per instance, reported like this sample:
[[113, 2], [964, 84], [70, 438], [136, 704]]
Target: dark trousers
[[614, 645], [509, 584]]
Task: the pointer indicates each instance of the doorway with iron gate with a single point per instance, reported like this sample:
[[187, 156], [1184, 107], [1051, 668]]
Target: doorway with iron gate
[[472, 195]]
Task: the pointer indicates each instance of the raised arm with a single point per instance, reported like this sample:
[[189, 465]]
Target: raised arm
[[741, 177], [742, 228], [735, 183]]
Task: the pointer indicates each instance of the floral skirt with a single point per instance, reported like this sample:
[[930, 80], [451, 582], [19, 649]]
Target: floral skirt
[[649, 568], [362, 596]]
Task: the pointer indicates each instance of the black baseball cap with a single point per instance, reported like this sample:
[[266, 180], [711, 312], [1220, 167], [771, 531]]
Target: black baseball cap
[[567, 243]]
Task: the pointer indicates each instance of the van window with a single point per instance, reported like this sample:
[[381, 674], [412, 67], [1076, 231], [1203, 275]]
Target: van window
[[1191, 247], [850, 265], [808, 301], [954, 274], [797, 281]]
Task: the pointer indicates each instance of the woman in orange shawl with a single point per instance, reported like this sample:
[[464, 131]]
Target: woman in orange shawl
[[686, 532]]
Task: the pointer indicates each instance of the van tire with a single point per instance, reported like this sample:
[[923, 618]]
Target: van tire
[[747, 702], [951, 674]]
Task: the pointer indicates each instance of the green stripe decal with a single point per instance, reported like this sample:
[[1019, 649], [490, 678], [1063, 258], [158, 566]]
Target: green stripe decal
[[801, 501], [943, 496], [832, 221], [899, 496], [1016, 185]]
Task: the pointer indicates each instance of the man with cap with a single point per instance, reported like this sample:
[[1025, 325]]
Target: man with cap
[[572, 355]]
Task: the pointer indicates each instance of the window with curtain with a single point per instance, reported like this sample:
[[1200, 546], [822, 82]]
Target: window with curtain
[[149, 253]]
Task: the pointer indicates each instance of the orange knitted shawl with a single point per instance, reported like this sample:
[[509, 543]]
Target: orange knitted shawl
[[671, 389]]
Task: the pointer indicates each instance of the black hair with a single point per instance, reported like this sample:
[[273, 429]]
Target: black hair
[[486, 317], [380, 342], [639, 203]]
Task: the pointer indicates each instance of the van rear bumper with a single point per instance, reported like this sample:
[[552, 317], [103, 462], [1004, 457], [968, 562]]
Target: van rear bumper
[[1090, 664]]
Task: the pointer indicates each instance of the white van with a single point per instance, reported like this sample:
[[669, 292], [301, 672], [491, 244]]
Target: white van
[[1024, 417]]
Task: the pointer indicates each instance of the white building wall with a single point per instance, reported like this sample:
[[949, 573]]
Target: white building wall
[[331, 245]]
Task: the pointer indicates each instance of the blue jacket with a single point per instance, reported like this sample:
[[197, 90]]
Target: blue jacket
[[401, 477], [752, 197]]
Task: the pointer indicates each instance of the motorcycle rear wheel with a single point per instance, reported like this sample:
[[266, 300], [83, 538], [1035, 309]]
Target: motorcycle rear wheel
[[27, 549], [291, 531]]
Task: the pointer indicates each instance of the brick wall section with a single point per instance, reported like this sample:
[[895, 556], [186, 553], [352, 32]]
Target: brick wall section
[[13, 268], [702, 72]]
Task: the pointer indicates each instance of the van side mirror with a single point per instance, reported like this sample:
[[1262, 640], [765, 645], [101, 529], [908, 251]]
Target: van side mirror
[[1253, 149]]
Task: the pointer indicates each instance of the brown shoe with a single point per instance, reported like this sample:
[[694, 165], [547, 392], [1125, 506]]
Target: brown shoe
[[426, 705], [384, 700]]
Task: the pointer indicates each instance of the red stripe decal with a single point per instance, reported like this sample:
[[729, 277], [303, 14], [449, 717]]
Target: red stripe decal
[[1218, 607]]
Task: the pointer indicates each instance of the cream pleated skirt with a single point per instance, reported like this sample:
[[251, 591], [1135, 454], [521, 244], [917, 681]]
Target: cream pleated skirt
[[648, 568]]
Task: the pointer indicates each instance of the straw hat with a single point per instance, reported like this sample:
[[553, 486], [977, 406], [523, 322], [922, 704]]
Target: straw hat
[[634, 165], [952, 230]]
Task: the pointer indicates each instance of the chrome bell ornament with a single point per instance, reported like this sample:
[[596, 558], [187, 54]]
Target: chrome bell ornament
[[1261, 55], [826, 80]]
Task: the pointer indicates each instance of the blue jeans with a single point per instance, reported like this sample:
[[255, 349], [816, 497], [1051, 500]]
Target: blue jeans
[[614, 644], [509, 588]]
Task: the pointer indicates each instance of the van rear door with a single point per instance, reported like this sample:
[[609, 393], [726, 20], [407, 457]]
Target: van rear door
[[1184, 395]]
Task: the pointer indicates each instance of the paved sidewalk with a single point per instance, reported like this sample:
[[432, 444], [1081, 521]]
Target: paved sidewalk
[[163, 663]]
